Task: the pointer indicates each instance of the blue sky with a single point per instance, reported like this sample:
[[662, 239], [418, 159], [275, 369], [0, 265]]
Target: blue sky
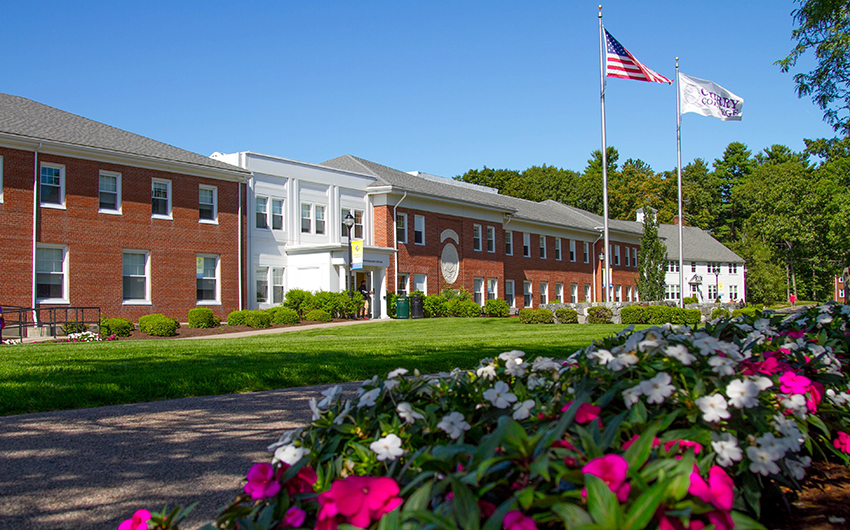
[[440, 87]]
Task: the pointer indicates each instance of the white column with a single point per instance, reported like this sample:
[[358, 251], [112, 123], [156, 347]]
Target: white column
[[380, 287]]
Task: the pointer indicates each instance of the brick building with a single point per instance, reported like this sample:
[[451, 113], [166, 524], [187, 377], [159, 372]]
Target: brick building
[[91, 215]]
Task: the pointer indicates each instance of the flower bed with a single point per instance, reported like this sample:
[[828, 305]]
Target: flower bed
[[661, 428]]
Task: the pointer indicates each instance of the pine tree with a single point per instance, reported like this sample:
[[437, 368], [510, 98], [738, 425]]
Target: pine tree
[[652, 260]]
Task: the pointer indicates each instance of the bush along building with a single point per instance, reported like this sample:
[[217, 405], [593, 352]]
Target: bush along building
[[95, 216]]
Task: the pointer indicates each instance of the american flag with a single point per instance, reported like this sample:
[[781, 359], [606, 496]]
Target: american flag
[[620, 63]]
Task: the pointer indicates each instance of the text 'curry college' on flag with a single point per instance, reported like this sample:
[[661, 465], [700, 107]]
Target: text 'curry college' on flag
[[709, 99], [620, 63]]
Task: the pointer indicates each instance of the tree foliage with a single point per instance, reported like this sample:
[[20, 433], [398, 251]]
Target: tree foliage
[[652, 261]]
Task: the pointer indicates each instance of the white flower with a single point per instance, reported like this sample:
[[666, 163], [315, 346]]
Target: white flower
[[343, 413], [824, 318], [680, 353], [795, 403], [773, 445], [658, 388], [798, 467], [286, 439], [406, 412], [515, 368], [839, 399], [523, 410], [396, 373], [603, 357], [761, 461], [314, 408], [544, 363], [500, 395], [624, 360], [713, 408], [454, 425], [534, 381], [632, 395], [742, 393], [390, 384], [649, 344], [290, 454], [706, 344], [387, 448], [763, 325], [369, 382], [763, 382], [722, 365], [368, 398], [330, 396], [512, 355], [487, 372], [726, 449], [845, 310]]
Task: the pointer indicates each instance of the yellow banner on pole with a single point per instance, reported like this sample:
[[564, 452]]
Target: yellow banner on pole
[[356, 254]]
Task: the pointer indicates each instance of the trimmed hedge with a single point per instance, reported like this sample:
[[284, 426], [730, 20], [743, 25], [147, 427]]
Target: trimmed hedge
[[633, 314], [236, 318], [536, 316], [748, 311], [318, 315], [690, 300], [300, 300], [158, 325], [116, 326], [690, 317], [283, 315], [599, 315], [497, 308], [258, 319], [566, 315], [719, 313], [658, 314], [463, 308], [203, 317], [435, 306]]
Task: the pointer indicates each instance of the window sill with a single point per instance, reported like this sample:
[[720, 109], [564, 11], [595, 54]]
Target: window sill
[[110, 212], [207, 222], [136, 302], [52, 206], [53, 301], [208, 302], [162, 217]]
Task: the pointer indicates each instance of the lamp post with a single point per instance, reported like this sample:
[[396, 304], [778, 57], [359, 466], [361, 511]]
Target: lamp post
[[349, 222], [604, 287]]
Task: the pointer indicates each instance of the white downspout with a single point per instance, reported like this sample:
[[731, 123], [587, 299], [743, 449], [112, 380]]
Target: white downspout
[[239, 238], [395, 241], [34, 230]]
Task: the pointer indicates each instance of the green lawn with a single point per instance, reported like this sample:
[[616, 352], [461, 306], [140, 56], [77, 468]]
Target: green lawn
[[43, 377]]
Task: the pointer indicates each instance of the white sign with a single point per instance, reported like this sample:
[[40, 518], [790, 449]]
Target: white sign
[[709, 99]]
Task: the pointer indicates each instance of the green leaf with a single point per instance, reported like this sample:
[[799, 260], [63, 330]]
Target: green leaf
[[612, 429], [752, 492], [644, 507], [637, 453], [541, 466], [419, 499], [742, 522], [602, 503], [817, 422], [572, 515], [390, 521], [427, 516], [591, 448], [638, 413], [495, 520], [526, 497], [466, 507], [516, 435]]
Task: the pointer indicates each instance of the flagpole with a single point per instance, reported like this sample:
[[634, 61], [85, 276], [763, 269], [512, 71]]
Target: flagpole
[[679, 165], [606, 262]]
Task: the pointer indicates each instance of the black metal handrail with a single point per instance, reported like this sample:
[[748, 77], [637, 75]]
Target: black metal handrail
[[54, 319]]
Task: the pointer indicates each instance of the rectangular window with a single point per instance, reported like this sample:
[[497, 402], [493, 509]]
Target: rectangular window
[[574, 293], [587, 292], [618, 293], [526, 244], [136, 276], [478, 290], [491, 239], [733, 268], [573, 250], [262, 277], [841, 293], [357, 227], [509, 293], [491, 288], [306, 218], [628, 258], [320, 218], [420, 283], [401, 289], [733, 292], [509, 243], [277, 214], [672, 292], [693, 266], [51, 274], [262, 213], [476, 238], [419, 230], [672, 266], [207, 204], [586, 251], [712, 293], [401, 228], [526, 294], [544, 292], [277, 285], [52, 185], [160, 199], [634, 257], [559, 293], [542, 247], [109, 192], [557, 249], [714, 268], [208, 280], [617, 255]]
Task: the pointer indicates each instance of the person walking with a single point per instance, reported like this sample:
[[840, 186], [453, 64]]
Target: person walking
[[367, 298], [792, 299]]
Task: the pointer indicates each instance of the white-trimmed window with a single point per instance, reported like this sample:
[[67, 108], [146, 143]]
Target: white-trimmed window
[[136, 276], [714, 268], [712, 293], [357, 227], [160, 199], [586, 250], [262, 279], [526, 244], [420, 283], [277, 214], [51, 274], [492, 290], [509, 293], [672, 266], [208, 279], [733, 292], [491, 239], [616, 254], [693, 266], [573, 250], [557, 249], [319, 211], [588, 292], [401, 228], [559, 293], [478, 291], [52, 183], [1, 179], [109, 192], [672, 291], [277, 285], [306, 218], [262, 212], [526, 294], [628, 257], [476, 238], [401, 289], [574, 293], [630, 293], [634, 257], [544, 292], [733, 268], [618, 293], [509, 243], [542, 247], [418, 229], [207, 204]]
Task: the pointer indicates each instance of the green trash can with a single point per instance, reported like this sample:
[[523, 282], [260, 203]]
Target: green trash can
[[402, 307]]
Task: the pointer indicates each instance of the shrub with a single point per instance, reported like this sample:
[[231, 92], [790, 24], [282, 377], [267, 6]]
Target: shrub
[[283, 315], [116, 326], [681, 316], [158, 325], [599, 315], [536, 316], [746, 311], [74, 327], [203, 317], [566, 316], [719, 313], [690, 300], [391, 304], [258, 319], [633, 314], [300, 300], [334, 304], [236, 318], [463, 308], [658, 314], [434, 306], [693, 317], [461, 294], [497, 308], [318, 315]]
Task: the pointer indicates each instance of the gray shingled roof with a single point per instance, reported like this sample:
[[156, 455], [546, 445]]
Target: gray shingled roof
[[698, 245], [30, 119], [550, 212]]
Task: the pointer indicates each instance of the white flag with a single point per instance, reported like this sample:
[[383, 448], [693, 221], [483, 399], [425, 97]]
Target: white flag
[[709, 99]]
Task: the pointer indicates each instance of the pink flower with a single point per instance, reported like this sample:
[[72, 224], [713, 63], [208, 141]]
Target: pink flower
[[655, 442], [612, 470], [262, 482], [769, 366], [487, 508], [515, 520], [357, 501], [815, 395], [294, 518], [794, 334], [675, 523], [842, 443], [721, 520], [718, 491], [585, 413], [300, 483], [791, 383], [139, 521], [683, 444]]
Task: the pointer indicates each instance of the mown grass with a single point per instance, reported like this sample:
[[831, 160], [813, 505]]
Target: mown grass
[[43, 377]]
